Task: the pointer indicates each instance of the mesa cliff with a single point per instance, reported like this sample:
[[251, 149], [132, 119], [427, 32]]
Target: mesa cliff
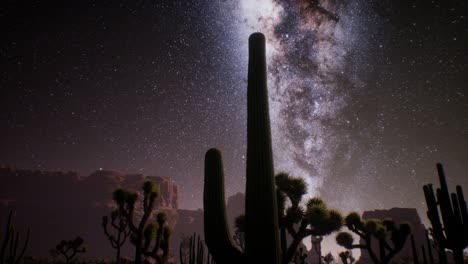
[[58, 205]]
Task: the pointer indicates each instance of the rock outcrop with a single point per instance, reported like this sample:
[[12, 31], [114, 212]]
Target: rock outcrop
[[399, 215], [61, 205]]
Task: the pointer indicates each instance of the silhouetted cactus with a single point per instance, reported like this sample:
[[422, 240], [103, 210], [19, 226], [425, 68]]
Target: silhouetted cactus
[[315, 220], [192, 251], [261, 221], [300, 256], [328, 258], [144, 235], [69, 249], [429, 245], [373, 228], [120, 224], [414, 250], [9, 251], [453, 234], [423, 251], [346, 257]]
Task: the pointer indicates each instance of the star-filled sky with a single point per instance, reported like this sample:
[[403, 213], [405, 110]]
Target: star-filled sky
[[365, 96]]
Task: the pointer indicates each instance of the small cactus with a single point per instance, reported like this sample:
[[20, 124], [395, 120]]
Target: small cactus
[[328, 258], [9, 251], [69, 249], [347, 257]]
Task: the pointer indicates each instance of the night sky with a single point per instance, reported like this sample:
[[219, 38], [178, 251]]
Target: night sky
[[365, 96]]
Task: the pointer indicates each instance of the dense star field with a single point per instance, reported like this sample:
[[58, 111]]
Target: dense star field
[[365, 96]]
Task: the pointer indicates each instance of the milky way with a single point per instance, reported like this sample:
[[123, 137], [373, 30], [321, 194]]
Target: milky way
[[365, 96], [308, 47]]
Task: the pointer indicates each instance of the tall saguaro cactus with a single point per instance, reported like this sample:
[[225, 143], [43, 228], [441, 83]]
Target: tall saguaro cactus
[[453, 234], [261, 217]]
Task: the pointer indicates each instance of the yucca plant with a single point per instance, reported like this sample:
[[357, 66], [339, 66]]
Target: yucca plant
[[371, 229], [346, 257], [120, 224], [69, 249], [149, 239]]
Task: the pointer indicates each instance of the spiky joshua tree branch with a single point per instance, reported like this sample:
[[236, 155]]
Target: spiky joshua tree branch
[[149, 239], [120, 224], [371, 229]]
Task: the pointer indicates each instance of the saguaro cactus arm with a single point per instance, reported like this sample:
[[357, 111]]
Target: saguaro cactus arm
[[261, 217], [453, 234], [217, 235]]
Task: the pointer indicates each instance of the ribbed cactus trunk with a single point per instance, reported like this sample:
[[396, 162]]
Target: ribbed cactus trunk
[[261, 217]]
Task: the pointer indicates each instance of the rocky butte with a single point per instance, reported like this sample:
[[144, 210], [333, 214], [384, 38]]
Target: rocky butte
[[58, 205], [400, 215]]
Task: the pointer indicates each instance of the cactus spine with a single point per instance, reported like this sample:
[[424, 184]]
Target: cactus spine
[[11, 243], [453, 234], [261, 216]]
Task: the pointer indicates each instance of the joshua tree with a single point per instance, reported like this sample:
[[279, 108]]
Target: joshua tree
[[328, 258], [120, 224], [292, 188], [143, 234], [380, 230], [315, 220], [347, 257], [239, 233], [69, 249], [261, 221], [453, 234], [9, 249]]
